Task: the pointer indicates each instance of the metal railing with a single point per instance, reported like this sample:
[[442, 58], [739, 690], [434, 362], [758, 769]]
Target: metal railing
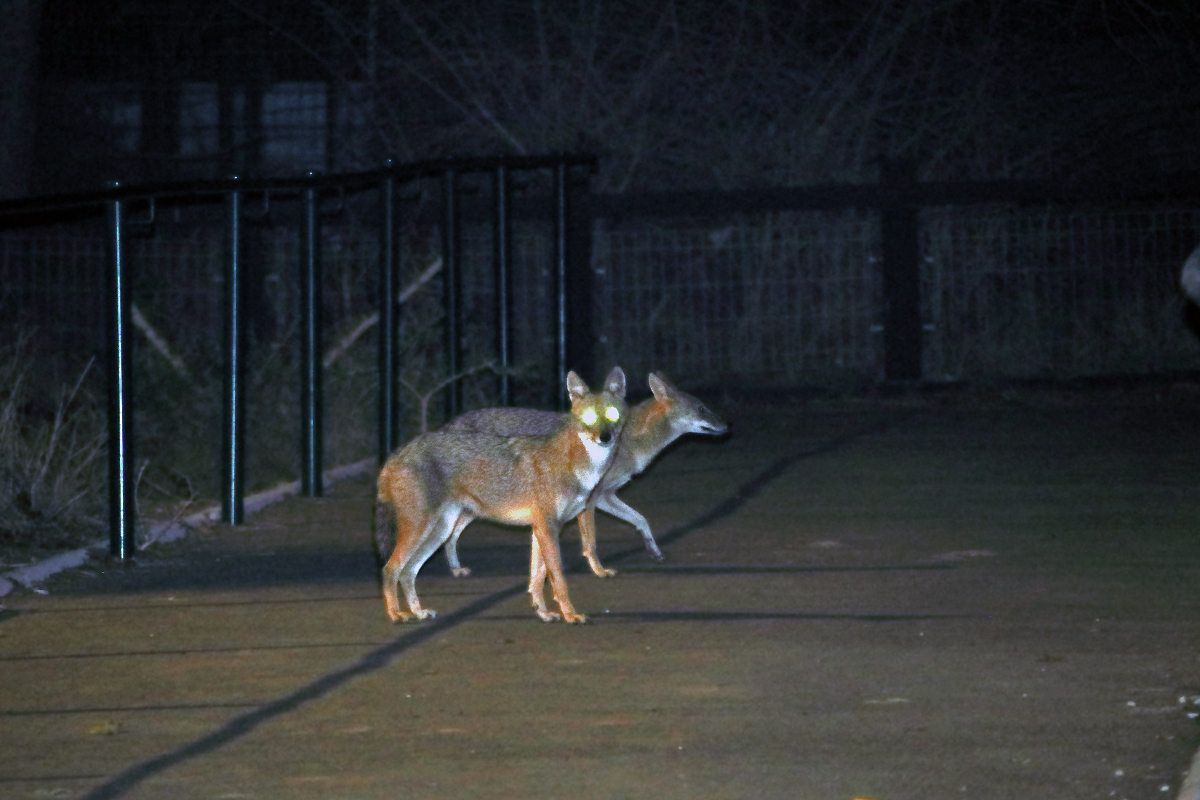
[[119, 205]]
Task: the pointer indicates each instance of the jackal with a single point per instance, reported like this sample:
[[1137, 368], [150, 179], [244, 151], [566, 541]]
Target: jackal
[[437, 483], [652, 425]]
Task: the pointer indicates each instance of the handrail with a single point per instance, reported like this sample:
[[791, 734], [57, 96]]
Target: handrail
[[368, 179]]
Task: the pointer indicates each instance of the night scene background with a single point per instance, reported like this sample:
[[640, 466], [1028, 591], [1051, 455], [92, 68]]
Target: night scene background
[[1082, 117]]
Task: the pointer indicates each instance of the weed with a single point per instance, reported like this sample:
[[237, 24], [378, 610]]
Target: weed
[[51, 464]]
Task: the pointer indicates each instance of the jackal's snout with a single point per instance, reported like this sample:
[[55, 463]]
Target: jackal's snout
[[709, 423], [606, 435]]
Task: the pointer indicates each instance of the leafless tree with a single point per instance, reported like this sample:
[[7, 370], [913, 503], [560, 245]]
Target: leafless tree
[[731, 92], [703, 92]]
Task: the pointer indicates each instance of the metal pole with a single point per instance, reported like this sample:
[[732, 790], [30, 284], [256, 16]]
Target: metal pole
[[502, 257], [452, 289], [310, 346], [232, 475], [389, 355], [560, 278], [122, 487]]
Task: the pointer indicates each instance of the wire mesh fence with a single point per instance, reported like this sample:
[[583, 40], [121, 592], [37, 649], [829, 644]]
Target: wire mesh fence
[[794, 299], [781, 299], [53, 297], [1054, 292], [53, 285]]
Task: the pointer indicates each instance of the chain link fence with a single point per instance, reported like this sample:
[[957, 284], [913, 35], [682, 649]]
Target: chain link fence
[[1054, 293], [788, 300], [783, 299], [776, 300]]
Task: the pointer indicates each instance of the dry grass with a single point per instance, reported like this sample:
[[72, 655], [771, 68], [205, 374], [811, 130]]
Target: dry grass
[[51, 464]]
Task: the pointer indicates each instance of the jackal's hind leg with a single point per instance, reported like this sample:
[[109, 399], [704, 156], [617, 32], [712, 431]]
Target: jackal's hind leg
[[436, 533], [451, 548], [391, 600]]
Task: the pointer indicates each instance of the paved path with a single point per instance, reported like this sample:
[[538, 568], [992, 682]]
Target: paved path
[[951, 598]]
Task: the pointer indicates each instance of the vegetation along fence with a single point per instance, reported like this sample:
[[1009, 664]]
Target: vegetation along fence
[[492, 277]]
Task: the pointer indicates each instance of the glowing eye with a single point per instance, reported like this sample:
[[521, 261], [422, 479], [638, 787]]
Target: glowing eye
[[612, 414], [589, 417]]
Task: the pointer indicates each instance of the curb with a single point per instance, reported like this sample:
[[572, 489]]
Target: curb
[[35, 573]]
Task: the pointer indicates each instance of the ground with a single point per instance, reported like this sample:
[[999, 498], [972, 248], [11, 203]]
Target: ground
[[968, 594]]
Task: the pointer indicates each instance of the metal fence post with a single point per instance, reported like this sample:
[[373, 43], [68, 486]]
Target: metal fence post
[[234, 418], [122, 487], [452, 289], [901, 273], [502, 258], [389, 352], [311, 478]]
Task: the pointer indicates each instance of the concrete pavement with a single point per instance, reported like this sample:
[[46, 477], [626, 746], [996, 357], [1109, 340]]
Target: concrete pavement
[[947, 597]]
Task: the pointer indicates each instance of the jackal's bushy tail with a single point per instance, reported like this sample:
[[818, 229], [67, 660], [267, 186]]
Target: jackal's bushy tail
[[385, 530]]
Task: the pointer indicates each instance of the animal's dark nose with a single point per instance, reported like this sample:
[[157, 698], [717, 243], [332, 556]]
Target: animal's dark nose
[[605, 435]]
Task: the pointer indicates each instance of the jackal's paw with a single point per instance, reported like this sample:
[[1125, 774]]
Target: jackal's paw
[[658, 556], [547, 616], [604, 572], [424, 613], [575, 618], [460, 572], [394, 612]]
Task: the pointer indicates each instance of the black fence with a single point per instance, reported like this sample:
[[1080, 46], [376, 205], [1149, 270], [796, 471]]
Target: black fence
[[142, 208], [898, 281], [931, 269]]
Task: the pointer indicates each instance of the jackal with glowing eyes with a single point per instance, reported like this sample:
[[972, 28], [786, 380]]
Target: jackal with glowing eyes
[[431, 488]]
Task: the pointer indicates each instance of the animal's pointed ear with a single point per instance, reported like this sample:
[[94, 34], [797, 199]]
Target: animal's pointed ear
[[576, 388], [660, 386], [615, 382]]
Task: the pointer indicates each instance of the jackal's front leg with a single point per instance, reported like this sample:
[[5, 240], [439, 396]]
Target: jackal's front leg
[[544, 559], [617, 507]]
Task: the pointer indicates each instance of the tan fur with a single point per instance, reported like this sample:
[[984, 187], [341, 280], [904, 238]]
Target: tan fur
[[436, 484], [652, 425]]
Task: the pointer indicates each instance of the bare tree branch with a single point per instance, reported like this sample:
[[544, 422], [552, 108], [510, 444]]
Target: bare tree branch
[[372, 319], [159, 343]]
